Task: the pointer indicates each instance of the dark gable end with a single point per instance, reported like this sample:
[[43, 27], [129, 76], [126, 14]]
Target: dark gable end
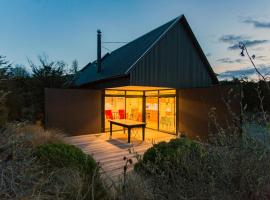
[[168, 56], [176, 60], [116, 64]]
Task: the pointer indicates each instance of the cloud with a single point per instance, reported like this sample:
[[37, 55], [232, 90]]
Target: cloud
[[234, 40], [261, 58], [208, 54], [229, 60], [257, 23], [245, 72], [248, 43]]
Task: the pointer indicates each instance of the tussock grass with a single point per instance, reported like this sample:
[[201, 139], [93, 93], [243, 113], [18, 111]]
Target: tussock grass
[[25, 175]]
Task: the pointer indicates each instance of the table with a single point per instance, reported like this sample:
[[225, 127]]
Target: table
[[129, 124]]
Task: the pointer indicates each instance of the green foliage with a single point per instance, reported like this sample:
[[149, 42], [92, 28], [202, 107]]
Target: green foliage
[[163, 154], [225, 168], [34, 164], [25, 100], [4, 68], [250, 94], [63, 155]]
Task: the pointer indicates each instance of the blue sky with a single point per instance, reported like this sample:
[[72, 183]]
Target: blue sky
[[66, 29]]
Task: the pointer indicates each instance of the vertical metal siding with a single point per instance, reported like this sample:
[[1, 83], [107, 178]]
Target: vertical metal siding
[[173, 62]]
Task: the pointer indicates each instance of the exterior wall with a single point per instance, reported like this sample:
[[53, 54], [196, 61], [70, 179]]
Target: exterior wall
[[195, 104], [175, 61], [108, 83], [75, 111]]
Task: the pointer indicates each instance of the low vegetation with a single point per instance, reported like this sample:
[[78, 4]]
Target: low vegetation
[[37, 164], [222, 169]]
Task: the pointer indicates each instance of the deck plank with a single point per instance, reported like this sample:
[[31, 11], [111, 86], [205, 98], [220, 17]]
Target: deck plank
[[109, 153]]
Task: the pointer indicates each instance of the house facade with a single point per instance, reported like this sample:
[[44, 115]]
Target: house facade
[[162, 78]]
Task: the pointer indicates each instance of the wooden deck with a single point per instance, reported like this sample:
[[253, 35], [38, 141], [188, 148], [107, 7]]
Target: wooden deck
[[109, 153]]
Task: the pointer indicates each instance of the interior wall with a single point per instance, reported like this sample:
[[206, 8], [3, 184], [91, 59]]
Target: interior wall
[[76, 111], [195, 105]]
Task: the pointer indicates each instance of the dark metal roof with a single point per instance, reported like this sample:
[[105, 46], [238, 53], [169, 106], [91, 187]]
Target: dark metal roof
[[119, 61]]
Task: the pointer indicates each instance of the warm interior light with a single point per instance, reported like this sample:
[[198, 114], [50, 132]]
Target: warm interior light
[[160, 107]]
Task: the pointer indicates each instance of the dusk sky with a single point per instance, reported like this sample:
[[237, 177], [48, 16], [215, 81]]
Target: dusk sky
[[66, 29]]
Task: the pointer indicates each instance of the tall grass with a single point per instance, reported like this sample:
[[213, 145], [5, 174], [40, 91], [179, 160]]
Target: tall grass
[[24, 174]]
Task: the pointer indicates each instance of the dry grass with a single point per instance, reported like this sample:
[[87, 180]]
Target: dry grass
[[23, 176], [36, 135]]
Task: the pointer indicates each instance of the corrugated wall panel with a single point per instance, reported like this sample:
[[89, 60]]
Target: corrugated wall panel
[[173, 62]]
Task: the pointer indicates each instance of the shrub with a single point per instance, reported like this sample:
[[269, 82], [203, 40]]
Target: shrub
[[35, 164], [162, 154], [63, 155], [66, 157], [222, 169]]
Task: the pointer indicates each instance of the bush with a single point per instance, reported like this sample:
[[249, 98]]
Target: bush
[[68, 157], [35, 164], [63, 155], [163, 154], [222, 169]]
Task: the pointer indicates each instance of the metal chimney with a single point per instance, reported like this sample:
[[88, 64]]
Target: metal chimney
[[98, 51]]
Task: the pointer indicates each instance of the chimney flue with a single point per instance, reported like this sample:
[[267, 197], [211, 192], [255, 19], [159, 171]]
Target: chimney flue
[[98, 51]]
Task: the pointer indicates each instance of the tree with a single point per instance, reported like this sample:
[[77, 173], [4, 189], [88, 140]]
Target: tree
[[46, 74], [19, 71], [74, 67], [4, 67], [3, 108]]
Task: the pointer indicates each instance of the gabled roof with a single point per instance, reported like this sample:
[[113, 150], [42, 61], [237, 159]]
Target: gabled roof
[[119, 62]]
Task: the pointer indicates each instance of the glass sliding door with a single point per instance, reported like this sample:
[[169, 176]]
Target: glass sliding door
[[114, 109], [151, 112], [134, 108], [167, 114], [159, 108]]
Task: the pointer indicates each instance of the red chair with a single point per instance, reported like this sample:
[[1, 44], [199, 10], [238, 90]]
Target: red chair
[[121, 114], [108, 114]]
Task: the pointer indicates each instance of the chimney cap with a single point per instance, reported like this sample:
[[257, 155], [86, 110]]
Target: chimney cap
[[98, 31]]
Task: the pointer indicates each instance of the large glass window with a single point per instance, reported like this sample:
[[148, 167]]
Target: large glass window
[[167, 119], [138, 93], [134, 109], [151, 112], [160, 108], [114, 109], [114, 92]]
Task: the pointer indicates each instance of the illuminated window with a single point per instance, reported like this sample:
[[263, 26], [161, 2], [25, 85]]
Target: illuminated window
[[164, 92], [151, 112], [151, 93], [167, 114], [138, 93], [114, 109], [114, 92], [134, 109]]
